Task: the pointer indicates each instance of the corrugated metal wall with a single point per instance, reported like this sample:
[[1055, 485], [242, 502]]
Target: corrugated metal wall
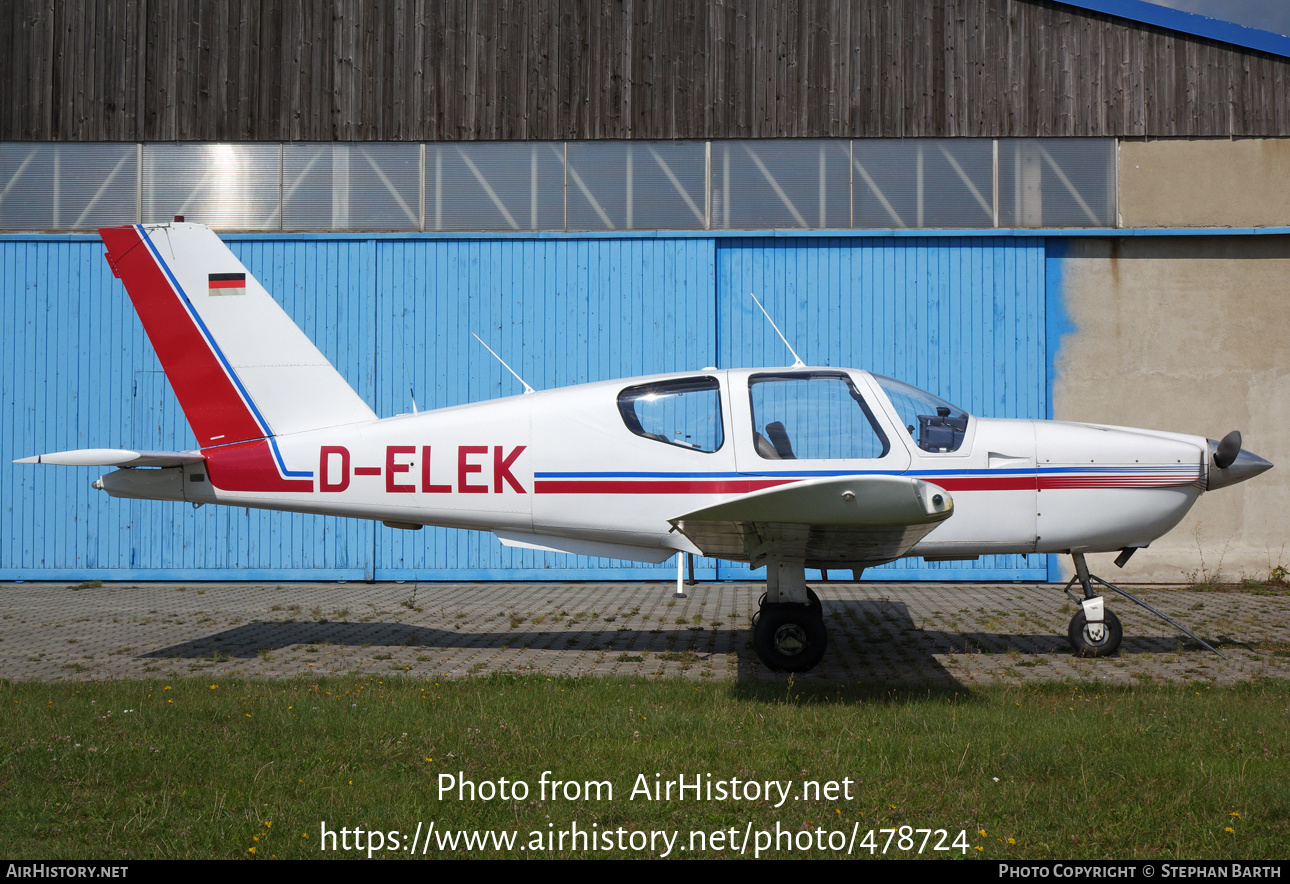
[[963, 317]]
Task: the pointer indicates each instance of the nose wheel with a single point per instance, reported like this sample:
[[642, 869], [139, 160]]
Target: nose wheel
[[1095, 639]]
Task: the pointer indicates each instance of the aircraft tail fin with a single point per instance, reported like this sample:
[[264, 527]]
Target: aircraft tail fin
[[241, 369]]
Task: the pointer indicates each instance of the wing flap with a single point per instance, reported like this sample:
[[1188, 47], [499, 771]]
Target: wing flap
[[857, 520], [116, 457], [578, 547]]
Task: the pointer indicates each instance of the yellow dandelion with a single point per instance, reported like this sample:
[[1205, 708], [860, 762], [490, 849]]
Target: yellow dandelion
[[214, 687], [255, 837], [304, 835], [1235, 814], [979, 847], [1229, 829], [1012, 840], [250, 850], [981, 832], [268, 824]]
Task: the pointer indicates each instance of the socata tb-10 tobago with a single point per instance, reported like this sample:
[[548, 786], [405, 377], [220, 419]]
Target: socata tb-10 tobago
[[790, 468]]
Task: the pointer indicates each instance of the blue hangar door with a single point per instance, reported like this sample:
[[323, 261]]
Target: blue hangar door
[[961, 317]]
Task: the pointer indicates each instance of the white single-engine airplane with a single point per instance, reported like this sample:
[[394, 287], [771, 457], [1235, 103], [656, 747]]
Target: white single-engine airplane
[[790, 468]]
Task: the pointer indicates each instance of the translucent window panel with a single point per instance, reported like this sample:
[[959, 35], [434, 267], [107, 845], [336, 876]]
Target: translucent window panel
[[811, 417], [225, 186], [481, 186], [68, 186], [923, 182], [352, 186], [799, 183], [685, 413], [621, 185], [1057, 182]]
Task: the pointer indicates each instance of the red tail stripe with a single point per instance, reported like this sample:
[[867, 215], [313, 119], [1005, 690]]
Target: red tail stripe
[[211, 403], [249, 466]]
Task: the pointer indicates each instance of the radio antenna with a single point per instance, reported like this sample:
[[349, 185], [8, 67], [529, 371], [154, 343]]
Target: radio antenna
[[527, 388], [797, 360]]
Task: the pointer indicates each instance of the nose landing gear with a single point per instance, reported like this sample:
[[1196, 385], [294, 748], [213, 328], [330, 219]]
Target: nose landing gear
[[1095, 631]]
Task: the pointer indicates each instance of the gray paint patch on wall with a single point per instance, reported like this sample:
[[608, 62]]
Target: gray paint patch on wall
[[1188, 334]]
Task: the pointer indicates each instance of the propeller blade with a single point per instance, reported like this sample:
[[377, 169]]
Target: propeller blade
[[1228, 448]]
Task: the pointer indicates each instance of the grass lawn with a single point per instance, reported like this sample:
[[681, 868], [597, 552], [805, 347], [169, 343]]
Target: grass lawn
[[196, 769]]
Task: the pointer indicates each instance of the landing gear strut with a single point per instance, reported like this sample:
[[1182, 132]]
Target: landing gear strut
[[1095, 631], [788, 628]]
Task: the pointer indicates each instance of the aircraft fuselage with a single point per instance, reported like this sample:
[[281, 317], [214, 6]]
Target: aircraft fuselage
[[564, 463]]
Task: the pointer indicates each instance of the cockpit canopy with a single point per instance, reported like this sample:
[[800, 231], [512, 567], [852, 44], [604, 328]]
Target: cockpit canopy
[[808, 414]]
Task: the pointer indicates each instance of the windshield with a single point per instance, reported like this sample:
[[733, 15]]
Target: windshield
[[933, 423]]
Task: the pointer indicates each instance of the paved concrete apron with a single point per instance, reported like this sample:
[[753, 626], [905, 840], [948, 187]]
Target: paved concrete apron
[[901, 634]]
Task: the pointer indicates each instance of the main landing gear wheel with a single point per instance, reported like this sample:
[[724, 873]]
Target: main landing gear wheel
[[790, 637], [812, 601], [1081, 635]]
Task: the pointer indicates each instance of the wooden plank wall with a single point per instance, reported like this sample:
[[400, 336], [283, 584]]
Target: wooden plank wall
[[449, 70]]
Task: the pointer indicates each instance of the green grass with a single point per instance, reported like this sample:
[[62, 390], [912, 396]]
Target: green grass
[[191, 768]]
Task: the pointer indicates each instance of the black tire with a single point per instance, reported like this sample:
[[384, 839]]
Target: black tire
[[1085, 646], [814, 603], [790, 638]]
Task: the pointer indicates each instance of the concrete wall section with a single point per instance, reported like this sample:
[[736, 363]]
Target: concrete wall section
[[1188, 334], [1205, 183]]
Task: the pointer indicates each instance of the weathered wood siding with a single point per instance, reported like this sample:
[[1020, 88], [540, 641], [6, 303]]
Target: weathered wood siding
[[447, 70]]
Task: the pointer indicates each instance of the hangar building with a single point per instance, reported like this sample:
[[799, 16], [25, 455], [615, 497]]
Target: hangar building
[[1071, 210]]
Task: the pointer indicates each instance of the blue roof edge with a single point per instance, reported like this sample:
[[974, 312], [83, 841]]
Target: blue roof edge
[[1189, 23]]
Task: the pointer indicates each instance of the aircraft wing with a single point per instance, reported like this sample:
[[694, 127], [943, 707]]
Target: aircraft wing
[[116, 457], [840, 520]]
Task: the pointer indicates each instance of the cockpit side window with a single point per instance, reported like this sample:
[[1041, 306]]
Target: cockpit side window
[[811, 416], [685, 413], [936, 425]]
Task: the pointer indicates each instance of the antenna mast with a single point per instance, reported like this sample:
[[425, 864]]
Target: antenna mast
[[527, 388], [797, 360]]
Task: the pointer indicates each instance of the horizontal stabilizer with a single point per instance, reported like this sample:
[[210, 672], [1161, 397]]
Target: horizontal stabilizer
[[856, 520], [116, 457]]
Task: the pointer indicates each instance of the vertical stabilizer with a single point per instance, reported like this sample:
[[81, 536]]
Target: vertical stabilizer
[[239, 366]]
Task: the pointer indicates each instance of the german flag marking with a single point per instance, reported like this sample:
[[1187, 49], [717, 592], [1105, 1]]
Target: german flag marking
[[227, 284]]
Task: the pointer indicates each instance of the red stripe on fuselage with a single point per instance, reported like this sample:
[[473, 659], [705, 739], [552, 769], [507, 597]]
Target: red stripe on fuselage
[[949, 483], [982, 483], [211, 403]]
